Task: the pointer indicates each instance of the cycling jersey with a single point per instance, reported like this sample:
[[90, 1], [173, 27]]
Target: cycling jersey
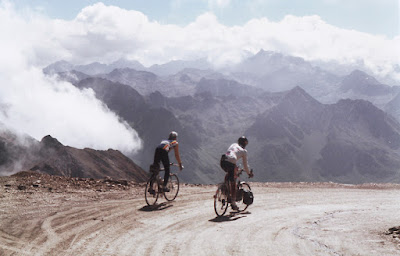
[[234, 153], [167, 145]]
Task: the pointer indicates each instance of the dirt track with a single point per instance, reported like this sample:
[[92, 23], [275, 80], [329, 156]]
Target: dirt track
[[285, 219]]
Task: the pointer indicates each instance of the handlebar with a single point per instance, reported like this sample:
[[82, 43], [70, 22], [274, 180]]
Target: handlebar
[[172, 164], [240, 170]]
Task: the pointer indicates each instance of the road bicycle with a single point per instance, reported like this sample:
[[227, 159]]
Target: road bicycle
[[154, 186], [222, 197]]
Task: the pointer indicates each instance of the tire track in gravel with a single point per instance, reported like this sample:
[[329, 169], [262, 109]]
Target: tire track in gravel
[[282, 221], [65, 228]]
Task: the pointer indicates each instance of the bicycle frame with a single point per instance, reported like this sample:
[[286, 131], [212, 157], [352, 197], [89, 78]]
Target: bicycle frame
[[222, 196], [172, 185], [237, 182]]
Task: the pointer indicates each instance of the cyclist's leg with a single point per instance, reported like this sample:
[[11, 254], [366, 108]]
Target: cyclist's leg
[[232, 185], [231, 179], [225, 166], [233, 189], [155, 166], [157, 157], [153, 178], [166, 163]]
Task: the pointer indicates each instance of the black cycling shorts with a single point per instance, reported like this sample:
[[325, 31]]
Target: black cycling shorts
[[229, 168]]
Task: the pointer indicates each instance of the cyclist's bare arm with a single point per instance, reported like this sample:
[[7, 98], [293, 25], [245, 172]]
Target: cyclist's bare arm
[[177, 156], [245, 165]]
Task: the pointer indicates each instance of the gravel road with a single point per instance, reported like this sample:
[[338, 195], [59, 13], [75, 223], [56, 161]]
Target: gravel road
[[285, 219]]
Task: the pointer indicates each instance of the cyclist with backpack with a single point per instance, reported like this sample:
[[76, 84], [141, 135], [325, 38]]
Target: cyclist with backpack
[[161, 155], [228, 162]]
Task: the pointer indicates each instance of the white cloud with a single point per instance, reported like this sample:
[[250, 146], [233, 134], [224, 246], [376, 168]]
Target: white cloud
[[38, 105], [106, 33], [313, 39]]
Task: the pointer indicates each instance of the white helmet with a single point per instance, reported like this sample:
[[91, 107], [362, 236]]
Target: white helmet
[[173, 135]]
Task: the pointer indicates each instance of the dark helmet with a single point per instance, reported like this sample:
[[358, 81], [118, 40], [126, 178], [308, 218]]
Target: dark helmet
[[173, 135], [242, 141]]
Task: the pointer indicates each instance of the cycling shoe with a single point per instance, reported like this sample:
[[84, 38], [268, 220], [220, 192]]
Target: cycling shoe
[[234, 207]]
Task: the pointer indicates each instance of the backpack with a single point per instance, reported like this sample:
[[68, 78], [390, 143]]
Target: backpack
[[248, 197]]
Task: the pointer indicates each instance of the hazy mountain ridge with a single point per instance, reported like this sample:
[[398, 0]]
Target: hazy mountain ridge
[[295, 135], [153, 124], [51, 157], [224, 87], [309, 141], [91, 69], [61, 160], [359, 82], [276, 72], [270, 71]]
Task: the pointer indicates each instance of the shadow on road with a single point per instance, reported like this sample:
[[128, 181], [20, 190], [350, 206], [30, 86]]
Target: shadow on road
[[231, 217], [157, 207]]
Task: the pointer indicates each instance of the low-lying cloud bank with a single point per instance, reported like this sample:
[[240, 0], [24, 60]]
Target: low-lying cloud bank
[[37, 105]]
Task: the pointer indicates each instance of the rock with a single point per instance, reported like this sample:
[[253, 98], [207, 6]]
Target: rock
[[21, 187]]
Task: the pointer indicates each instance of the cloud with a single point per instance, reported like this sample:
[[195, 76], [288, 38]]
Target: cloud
[[106, 33], [37, 105], [313, 39]]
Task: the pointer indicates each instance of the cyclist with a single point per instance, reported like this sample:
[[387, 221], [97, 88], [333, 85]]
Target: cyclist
[[228, 164], [161, 155]]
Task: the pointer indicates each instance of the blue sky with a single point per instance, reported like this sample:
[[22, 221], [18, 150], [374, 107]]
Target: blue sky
[[370, 16]]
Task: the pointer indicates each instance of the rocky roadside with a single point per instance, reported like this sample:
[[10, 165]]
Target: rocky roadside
[[31, 181]]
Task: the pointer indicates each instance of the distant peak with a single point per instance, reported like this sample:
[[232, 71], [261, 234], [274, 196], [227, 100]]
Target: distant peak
[[51, 142], [358, 73], [361, 82], [297, 90], [298, 94], [361, 76]]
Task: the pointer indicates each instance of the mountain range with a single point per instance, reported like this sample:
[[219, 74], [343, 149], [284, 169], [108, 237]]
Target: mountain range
[[303, 123], [51, 157]]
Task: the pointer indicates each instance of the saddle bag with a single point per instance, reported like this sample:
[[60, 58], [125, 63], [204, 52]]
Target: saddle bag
[[239, 194], [248, 197]]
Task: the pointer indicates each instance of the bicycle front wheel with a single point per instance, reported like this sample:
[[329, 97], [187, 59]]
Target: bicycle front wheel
[[221, 200], [151, 192], [173, 186]]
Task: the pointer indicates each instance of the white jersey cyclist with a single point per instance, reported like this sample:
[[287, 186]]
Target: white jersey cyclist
[[236, 152], [228, 162]]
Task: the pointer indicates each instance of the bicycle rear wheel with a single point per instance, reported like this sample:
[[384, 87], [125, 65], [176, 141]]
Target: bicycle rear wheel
[[151, 198], [173, 186], [221, 200], [242, 206]]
